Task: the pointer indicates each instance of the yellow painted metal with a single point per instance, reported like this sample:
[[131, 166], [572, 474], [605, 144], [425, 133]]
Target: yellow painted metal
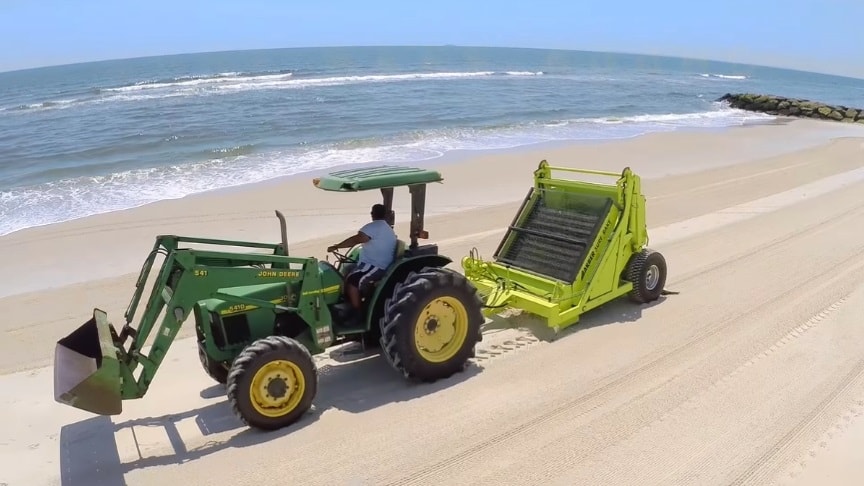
[[277, 388], [600, 281], [441, 329]]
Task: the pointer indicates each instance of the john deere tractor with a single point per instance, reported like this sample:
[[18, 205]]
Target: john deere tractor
[[260, 316]]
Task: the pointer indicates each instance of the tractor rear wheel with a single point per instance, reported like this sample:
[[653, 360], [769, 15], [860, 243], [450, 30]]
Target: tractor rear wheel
[[431, 324], [647, 271], [272, 383]]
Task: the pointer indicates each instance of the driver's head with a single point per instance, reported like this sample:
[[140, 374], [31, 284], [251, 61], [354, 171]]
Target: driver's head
[[378, 212]]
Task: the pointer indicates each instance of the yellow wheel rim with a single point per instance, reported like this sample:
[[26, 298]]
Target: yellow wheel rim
[[277, 388], [441, 329]]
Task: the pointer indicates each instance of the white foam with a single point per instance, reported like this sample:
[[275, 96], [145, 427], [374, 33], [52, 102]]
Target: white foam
[[193, 81], [724, 76], [287, 81], [83, 196], [233, 82], [524, 73]]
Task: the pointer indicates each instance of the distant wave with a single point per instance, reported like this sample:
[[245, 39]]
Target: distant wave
[[217, 76], [76, 197], [232, 82], [287, 80], [241, 82], [53, 104], [724, 76], [199, 81], [237, 151]]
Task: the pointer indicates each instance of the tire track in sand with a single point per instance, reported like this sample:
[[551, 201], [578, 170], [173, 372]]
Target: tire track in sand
[[782, 451], [528, 341], [771, 244], [487, 351], [617, 382], [637, 416], [796, 464], [726, 382]]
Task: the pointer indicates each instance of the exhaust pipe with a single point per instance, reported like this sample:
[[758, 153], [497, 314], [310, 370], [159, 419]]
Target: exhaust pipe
[[87, 370]]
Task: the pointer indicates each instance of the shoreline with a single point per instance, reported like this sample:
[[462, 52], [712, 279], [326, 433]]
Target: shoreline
[[115, 243], [457, 156]]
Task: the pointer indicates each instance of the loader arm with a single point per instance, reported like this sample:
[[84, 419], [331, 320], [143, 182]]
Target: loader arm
[[95, 366], [168, 244]]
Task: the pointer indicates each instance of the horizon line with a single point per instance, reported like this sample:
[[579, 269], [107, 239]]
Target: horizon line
[[626, 53]]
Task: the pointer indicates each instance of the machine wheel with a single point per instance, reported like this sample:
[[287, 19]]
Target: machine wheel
[[647, 271], [213, 369], [431, 324], [272, 383]]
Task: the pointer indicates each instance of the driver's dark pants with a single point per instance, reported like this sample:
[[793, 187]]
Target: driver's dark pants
[[363, 276]]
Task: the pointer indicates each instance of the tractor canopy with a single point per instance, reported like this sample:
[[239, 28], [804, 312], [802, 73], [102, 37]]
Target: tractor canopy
[[379, 177]]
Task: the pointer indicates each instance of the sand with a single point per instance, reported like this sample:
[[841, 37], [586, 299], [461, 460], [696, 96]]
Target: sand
[[752, 374]]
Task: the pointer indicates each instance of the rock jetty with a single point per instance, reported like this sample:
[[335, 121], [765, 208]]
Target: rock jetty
[[779, 105]]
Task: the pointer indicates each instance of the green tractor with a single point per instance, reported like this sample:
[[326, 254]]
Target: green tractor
[[261, 316]]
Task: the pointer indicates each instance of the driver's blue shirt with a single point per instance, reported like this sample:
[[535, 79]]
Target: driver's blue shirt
[[381, 247]]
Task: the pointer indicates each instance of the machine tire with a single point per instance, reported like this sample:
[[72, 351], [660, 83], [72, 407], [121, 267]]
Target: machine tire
[[276, 356], [647, 271], [403, 310], [213, 369]]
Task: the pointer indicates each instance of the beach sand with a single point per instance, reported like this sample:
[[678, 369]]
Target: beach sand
[[752, 374]]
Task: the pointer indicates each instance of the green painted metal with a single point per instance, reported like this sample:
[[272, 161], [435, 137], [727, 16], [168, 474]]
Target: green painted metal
[[207, 286], [406, 261], [379, 177], [86, 369], [598, 276], [395, 274], [234, 298]]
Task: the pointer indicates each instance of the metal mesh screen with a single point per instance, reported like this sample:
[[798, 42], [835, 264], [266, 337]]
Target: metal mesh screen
[[556, 232]]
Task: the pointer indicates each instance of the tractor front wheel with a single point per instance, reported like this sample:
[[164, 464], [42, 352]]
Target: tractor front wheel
[[213, 369], [272, 383], [647, 271], [431, 324]]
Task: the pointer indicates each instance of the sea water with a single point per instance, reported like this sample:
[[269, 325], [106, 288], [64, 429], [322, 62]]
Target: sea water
[[89, 138]]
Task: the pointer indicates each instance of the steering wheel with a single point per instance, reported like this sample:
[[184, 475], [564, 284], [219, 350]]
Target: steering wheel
[[342, 258]]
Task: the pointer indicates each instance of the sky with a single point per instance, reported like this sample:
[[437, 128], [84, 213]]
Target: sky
[[812, 35]]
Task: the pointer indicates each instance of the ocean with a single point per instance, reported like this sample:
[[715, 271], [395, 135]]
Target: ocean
[[89, 138]]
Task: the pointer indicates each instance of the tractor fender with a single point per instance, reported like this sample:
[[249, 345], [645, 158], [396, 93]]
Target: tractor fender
[[396, 274]]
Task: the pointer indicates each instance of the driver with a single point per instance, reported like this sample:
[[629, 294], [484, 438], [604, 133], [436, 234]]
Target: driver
[[379, 247]]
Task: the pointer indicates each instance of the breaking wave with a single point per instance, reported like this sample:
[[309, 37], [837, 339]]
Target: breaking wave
[[233, 82], [76, 197], [724, 76]]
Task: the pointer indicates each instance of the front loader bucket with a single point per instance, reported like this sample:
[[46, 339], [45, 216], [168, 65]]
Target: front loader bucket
[[86, 368]]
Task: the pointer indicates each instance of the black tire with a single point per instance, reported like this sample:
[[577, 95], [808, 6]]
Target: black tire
[[213, 369], [647, 271], [402, 312], [253, 359]]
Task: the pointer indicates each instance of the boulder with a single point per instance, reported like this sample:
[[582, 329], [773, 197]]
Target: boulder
[[780, 105]]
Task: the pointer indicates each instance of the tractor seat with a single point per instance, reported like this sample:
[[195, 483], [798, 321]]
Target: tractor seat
[[398, 253], [400, 250]]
